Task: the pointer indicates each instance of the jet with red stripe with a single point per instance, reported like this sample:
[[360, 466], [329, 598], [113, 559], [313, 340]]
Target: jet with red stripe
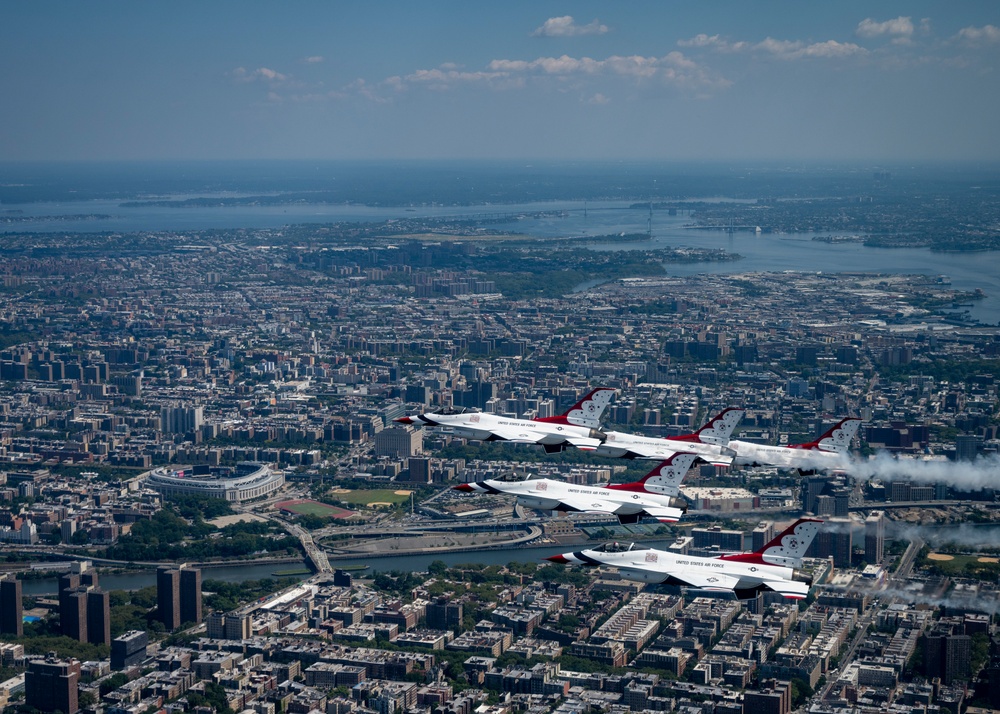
[[829, 451], [710, 442], [772, 567], [579, 426], [652, 496]]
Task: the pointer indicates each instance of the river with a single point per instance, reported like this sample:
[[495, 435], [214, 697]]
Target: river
[[965, 533], [561, 219], [410, 563]]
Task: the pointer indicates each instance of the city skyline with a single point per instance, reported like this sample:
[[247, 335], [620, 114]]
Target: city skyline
[[665, 81]]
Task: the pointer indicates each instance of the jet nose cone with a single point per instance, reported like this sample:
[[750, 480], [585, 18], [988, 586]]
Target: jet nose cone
[[561, 559], [403, 420], [464, 487]]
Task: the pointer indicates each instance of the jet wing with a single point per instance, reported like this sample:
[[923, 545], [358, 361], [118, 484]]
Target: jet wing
[[583, 443], [518, 436], [589, 505], [705, 581], [789, 588], [664, 514]]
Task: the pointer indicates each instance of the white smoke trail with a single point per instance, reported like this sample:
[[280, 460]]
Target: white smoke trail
[[983, 472], [988, 605], [963, 534]]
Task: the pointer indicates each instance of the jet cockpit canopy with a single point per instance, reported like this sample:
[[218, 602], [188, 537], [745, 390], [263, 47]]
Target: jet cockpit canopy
[[616, 547]]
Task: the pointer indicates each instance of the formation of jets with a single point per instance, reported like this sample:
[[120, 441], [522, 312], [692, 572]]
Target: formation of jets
[[773, 567]]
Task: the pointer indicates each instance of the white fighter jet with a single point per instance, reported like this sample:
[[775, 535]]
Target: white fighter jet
[[651, 496], [579, 426], [709, 442], [772, 567], [827, 452]]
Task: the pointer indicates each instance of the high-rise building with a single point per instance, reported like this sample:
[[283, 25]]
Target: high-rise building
[[716, 536], [836, 542], [11, 612], [228, 627], [191, 595], [51, 685], [84, 610], [420, 470], [181, 419], [67, 583], [215, 625], [168, 596], [444, 614], [967, 447], [875, 537], [762, 535], [238, 627], [98, 617], [73, 616], [947, 654], [178, 595], [129, 649], [399, 442], [773, 697]]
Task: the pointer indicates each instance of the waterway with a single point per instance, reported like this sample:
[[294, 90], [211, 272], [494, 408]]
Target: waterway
[[968, 534], [409, 563], [561, 219]]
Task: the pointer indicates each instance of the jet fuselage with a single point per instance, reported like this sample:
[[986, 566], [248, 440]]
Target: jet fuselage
[[549, 495]]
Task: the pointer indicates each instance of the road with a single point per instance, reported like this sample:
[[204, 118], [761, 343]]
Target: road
[[906, 562]]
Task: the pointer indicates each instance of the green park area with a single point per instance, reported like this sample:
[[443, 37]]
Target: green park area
[[367, 497], [313, 508]]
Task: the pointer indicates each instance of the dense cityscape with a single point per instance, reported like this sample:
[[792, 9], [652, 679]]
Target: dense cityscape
[[177, 403]]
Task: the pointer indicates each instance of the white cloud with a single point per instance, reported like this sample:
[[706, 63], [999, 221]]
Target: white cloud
[[442, 79], [714, 42], [263, 74], [987, 34], [673, 68], [565, 26], [315, 59], [781, 49], [830, 48], [598, 99], [899, 29], [360, 86], [630, 66]]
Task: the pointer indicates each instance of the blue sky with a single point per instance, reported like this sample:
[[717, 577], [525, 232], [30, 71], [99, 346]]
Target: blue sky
[[668, 80]]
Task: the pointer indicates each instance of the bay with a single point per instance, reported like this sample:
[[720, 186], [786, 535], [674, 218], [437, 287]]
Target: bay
[[798, 252]]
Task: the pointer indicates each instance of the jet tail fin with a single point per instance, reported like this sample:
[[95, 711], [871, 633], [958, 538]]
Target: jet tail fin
[[837, 438], [665, 478], [586, 412], [788, 548], [716, 430]]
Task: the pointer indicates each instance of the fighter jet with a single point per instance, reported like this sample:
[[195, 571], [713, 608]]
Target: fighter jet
[[772, 567], [579, 426], [709, 442], [650, 496], [827, 452]]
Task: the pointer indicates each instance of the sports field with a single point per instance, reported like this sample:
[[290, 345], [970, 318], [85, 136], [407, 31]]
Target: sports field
[[306, 507], [372, 496]]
